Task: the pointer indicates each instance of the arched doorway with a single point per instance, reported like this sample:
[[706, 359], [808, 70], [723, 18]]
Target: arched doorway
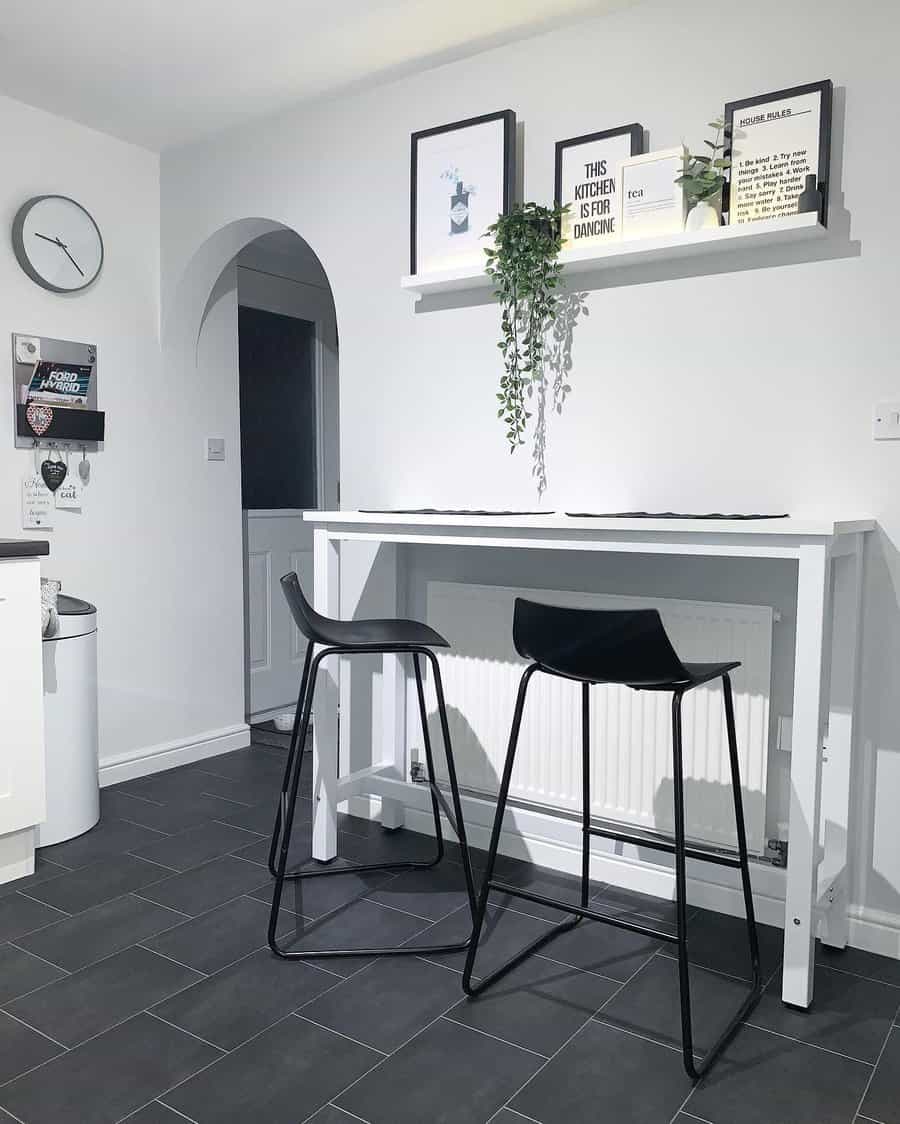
[[255, 307]]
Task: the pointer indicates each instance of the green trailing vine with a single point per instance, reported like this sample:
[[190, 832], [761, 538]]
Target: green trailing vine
[[524, 264]]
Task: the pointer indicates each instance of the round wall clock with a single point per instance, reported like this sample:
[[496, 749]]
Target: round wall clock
[[57, 243]]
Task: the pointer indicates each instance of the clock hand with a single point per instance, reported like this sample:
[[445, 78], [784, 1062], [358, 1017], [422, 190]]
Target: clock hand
[[55, 241], [71, 259]]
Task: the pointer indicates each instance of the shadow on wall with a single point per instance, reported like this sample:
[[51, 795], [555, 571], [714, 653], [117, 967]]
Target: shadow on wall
[[874, 822]]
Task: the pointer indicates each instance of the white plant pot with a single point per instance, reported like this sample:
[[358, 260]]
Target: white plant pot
[[703, 216]]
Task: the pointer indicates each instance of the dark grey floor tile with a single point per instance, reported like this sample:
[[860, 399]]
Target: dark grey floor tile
[[882, 1100], [391, 846], [96, 998], [90, 936], [619, 902], [249, 791], [849, 1014], [649, 1004], [719, 941], [860, 963], [314, 897], [362, 924], [111, 1075], [243, 999], [538, 1005], [329, 1114], [43, 869], [21, 1049], [762, 1078], [504, 934], [246, 764], [204, 887], [635, 1081], [154, 1113], [265, 736], [388, 1002], [197, 845], [170, 818], [109, 837], [281, 1077], [215, 939], [432, 894], [595, 947], [78, 890], [20, 972], [261, 817], [447, 1069], [176, 785], [20, 915]]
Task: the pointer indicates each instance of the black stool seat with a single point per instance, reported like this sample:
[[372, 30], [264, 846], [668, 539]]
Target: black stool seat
[[628, 647], [376, 635], [327, 637]]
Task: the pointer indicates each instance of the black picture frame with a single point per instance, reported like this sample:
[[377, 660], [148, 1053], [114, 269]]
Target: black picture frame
[[508, 117], [637, 147], [825, 89]]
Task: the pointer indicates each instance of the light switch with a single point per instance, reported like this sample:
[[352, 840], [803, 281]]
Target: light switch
[[215, 448], [886, 421]]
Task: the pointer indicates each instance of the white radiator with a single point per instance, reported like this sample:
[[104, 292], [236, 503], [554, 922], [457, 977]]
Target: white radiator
[[630, 730]]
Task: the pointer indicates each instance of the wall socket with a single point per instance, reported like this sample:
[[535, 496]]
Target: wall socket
[[886, 421], [215, 448]]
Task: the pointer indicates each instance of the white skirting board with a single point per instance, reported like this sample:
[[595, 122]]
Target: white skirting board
[[166, 755], [556, 843]]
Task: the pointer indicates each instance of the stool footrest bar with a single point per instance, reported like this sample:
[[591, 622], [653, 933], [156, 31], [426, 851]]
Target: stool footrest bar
[[720, 858], [580, 911]]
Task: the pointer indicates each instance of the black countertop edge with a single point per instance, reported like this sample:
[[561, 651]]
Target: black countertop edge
[[23, 548]]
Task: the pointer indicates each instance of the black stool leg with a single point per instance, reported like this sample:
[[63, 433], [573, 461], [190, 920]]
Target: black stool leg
[[752, 934], [288, 805], [695, 1069], [684, 979], [289, 765], [487, 885], [429, 760], [456, 819]]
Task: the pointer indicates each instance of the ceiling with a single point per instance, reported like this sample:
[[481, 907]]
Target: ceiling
[[162, 73]]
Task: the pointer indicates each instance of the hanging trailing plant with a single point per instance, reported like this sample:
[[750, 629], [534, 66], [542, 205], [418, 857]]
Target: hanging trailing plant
[[524, 265]]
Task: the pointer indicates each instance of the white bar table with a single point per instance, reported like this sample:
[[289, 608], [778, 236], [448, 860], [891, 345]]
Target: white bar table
[[829, 556]]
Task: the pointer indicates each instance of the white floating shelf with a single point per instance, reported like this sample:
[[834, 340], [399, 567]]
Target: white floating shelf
[[640, 251]]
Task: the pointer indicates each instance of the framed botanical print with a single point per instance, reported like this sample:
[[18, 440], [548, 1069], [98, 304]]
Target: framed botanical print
[[775, 141], [461, 178], [587, 174]]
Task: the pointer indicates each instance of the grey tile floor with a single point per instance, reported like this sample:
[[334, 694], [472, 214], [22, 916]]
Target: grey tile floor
[[135, 985]]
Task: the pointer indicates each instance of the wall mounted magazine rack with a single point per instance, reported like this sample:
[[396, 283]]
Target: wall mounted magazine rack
[[55, 394]]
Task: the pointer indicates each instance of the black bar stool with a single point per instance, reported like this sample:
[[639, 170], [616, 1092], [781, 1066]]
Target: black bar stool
[[628, 647], [346, 638]]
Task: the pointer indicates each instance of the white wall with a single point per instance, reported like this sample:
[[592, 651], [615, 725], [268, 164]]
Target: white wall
[[747, 390], [134, 548]]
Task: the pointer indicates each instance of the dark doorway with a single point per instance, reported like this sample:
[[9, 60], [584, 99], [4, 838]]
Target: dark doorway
[[278, 410]]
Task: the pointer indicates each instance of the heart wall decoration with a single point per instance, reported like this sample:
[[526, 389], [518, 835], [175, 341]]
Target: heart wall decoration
[[40, 418], [53, 472]]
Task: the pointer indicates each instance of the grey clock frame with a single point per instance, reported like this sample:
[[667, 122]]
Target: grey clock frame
[[18, 244]]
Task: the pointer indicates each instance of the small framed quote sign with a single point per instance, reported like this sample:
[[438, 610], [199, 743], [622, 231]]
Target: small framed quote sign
[[587, 175], [775, 141], [461, 179], [651, 203]]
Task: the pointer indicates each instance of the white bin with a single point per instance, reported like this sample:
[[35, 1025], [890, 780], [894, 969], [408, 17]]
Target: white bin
[[70, 724]]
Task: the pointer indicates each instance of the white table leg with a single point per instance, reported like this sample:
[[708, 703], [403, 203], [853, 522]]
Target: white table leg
[[393, 700], [326, 600], [806, 768], [847, 585]]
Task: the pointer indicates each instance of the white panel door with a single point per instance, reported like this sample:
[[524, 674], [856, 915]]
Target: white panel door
[[275, 542], [21, 696]]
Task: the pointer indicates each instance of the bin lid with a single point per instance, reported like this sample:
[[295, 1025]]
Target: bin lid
[[76, 618], [68, 606]]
